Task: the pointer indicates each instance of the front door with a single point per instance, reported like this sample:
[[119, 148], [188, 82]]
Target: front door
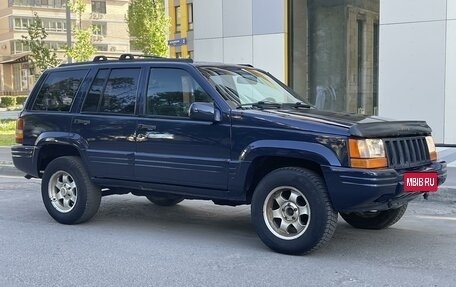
[[172, 148]]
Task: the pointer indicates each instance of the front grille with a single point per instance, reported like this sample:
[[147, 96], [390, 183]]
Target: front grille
[[406, 152]]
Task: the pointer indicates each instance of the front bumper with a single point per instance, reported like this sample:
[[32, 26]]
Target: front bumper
[[363, 190]]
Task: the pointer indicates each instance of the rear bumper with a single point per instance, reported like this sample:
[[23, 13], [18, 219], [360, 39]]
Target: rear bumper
[[24, 158], [362, 190]]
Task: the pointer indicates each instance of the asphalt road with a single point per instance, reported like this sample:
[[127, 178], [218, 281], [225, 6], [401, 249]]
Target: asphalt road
[[5, 154], [132, 242]]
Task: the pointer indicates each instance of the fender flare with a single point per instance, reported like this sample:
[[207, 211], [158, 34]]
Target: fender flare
[[315, 152]]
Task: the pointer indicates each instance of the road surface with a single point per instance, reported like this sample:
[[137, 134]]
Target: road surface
[[132, 242]]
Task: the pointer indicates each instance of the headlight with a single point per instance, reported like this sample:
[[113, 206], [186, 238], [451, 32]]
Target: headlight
[[367, 153], [431, 148]]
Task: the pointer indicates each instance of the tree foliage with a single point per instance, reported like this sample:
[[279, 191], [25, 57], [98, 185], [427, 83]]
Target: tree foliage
[[41, 56], [82, 48], [148, 26]]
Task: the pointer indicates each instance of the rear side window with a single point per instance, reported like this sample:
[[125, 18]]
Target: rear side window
[[113, 91], [58, 91]]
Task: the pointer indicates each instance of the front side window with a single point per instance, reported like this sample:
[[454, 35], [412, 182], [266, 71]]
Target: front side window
[[244, 86], [170, 92], [58, 91], [113, 91]]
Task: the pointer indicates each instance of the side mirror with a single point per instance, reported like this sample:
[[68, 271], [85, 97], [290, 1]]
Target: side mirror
[[203, 112]]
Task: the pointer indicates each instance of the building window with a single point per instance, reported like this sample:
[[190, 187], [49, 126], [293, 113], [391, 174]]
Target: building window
[[177, 21], [178, 55], [50, 25], [361, 56], [101, 47], [190, 16], [190, 54], [19, 47], [39, 3], [99, 7], [336, 73], [99, 29]]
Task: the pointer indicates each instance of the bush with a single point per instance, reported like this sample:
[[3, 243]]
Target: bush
[[7, 101], [20, 100]]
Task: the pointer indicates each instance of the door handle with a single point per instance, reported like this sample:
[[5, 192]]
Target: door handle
[[81, 122]]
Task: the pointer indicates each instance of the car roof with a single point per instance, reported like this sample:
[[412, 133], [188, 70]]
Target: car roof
[[142, 59]]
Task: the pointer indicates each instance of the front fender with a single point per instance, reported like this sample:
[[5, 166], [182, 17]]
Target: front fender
[[315, 152]]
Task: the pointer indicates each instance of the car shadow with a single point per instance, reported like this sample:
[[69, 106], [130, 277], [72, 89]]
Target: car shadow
[[232, 225]]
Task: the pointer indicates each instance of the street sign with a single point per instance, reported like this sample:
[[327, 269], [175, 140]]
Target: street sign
[[177, 42]]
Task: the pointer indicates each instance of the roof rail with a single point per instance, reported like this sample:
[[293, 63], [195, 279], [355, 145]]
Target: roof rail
[[102, 58], [129, 56]]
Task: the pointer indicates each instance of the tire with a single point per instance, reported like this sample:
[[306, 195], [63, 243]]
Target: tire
[[374, 220], [164, 200], [68, 194], [291, 211]]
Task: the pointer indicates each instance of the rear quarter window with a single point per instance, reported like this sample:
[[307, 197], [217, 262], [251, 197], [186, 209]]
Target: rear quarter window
[[58, 91]]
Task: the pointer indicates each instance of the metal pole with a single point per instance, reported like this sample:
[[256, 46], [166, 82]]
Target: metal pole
[[68, 28]]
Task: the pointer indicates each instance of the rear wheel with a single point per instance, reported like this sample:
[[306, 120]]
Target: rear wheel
[[374, 219], [68, 193], [291, 211], [164, 200]]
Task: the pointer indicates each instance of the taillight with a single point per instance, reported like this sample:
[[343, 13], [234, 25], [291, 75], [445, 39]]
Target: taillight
[[19, 130]]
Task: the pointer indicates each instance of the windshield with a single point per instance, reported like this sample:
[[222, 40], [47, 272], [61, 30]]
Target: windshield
[[243, 86]]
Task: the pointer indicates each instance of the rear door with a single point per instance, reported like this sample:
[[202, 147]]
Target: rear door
[[172, 148], [107, 122]]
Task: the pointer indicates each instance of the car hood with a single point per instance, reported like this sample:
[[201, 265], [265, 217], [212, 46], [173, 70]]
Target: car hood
[[356, 125]]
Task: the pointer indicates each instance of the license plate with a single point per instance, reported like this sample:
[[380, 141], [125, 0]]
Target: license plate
[[420, 181]]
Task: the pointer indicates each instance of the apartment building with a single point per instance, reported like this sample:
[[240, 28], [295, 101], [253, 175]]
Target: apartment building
[[181, 29], [110, 37]]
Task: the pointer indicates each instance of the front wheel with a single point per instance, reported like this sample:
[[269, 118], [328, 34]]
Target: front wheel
[[291, 211], [68, 193], [374, 219]]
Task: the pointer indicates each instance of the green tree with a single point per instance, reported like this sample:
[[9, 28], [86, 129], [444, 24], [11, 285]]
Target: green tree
[[41, 56], [148, 26], [82, 48]]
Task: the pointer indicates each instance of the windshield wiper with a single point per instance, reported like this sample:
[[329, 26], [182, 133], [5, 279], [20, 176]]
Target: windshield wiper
[[297, 105], [262, 105]]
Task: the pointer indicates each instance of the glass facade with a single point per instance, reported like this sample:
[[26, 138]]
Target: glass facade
[[333, 53]]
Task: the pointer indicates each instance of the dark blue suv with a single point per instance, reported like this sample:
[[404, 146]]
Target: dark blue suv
[[173, 129]]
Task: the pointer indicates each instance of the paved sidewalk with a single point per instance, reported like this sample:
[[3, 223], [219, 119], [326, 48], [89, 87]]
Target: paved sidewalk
[[9, 115]]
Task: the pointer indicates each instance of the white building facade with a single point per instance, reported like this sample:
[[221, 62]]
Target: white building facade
[[418, 63], [394, 58]]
